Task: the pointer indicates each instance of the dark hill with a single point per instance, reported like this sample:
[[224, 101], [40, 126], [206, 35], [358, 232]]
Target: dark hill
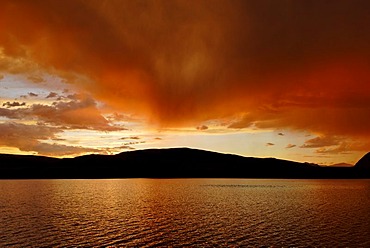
[[166, 163], [363, 164]]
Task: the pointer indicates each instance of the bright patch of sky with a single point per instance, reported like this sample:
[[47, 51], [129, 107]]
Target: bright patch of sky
[[210, 135], [15, 87]]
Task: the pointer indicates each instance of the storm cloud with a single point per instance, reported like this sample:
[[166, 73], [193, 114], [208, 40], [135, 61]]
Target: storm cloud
[[281, 64]]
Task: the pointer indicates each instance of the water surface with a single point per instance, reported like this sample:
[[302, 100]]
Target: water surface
[[184, 212]]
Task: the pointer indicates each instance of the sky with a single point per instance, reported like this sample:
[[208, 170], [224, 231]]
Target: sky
[[286, 79]]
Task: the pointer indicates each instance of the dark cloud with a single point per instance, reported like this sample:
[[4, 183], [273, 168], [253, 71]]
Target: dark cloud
[[52, 95], [287, 64], [31, 94], [270, 144], [79, 114], [130, 138], [134, 143], [76, 114], [73, 96], [13, 104], [126, 147], [202, 128], [280, 134], [290, 146]]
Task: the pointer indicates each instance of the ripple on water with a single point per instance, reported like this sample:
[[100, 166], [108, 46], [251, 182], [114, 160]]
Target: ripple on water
[[180, 213]]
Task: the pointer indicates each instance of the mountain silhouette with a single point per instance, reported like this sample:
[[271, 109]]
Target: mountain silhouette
[[169, 163], [363, 164]]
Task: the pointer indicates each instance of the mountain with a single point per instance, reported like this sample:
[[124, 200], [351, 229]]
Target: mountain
[[363, 164], [342, 165], [167, 163]]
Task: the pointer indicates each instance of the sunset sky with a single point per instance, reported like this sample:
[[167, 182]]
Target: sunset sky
[[286, 79]]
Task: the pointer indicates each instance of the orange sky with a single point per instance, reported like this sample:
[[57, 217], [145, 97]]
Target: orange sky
[[298, 66]]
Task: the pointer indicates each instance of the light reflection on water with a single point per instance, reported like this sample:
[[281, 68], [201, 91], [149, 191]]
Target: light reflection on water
[[185, 212]]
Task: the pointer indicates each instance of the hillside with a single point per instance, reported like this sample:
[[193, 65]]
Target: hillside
[[167, 163], [364, 162]]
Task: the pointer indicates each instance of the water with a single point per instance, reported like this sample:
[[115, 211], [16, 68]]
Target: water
[[185, 212]]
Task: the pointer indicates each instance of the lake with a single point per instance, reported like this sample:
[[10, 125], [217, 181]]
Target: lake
[[185, 212]]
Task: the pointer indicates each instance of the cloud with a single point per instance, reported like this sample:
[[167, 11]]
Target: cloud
[[345, 147], [336, 145], [183, 63], [280, 134], [321, 141], [62, 150], [31, 94], [36, 79], [202, 128], [52, 95], [14, 104], [130, 138], [126, 147], [133, 143], [25, 137], [15, 65], [290, 146], [122, 117], [246, 120], [340, 148], [30, 138], [270, 144], [10, 113], [78, 114]]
